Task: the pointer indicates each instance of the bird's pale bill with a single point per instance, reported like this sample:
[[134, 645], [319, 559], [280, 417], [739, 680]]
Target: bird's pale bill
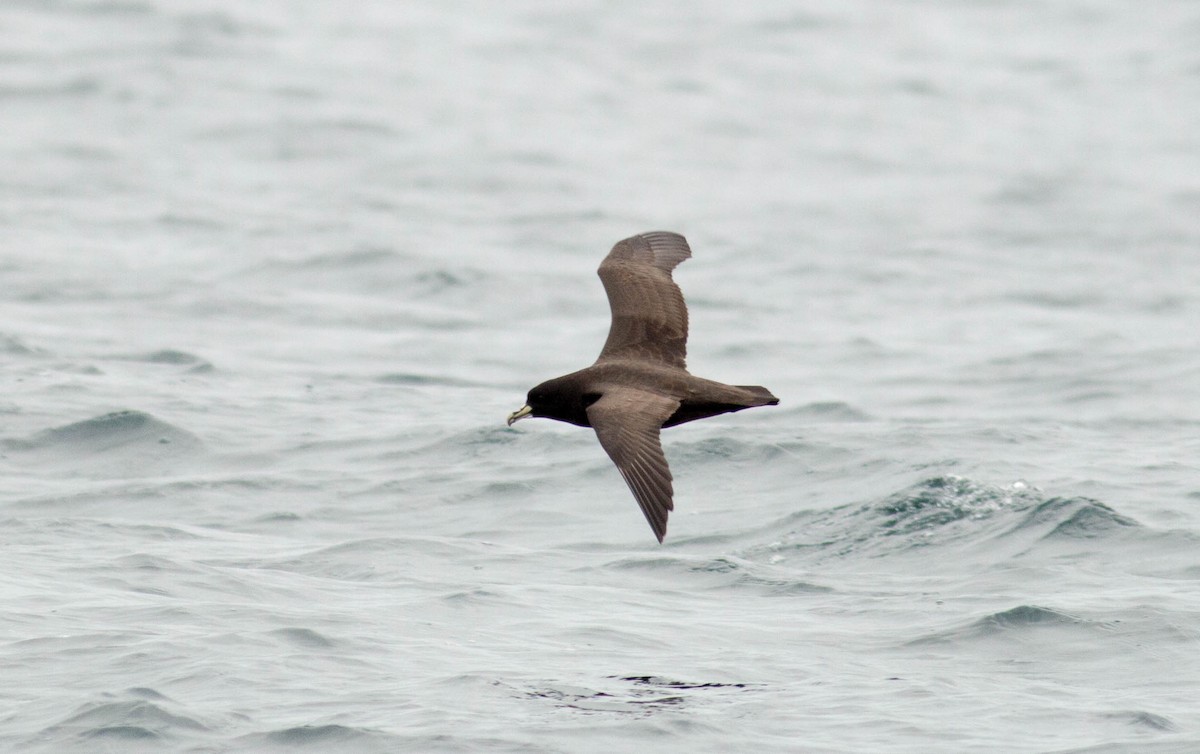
[[520, 413]]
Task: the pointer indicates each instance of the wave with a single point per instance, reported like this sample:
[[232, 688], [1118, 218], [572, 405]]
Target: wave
[[1145, 720], [378, 269], [935, 511], [720, 573], [142, 715], [304, 638], [1019, 622], [1074, 518], [68, 87], [832, 411], [412, 379], [173, 357], [118, 444], [407, 559], [113, 431], [953, 512], [726, 448], [330, 737], [14, 346]]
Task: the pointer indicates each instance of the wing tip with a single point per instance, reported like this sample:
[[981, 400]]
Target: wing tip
[[663, 249], [659, 528], [669, 248]]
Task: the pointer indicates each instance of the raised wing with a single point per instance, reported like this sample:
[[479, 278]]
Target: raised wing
[[628, 421], [649, 317]]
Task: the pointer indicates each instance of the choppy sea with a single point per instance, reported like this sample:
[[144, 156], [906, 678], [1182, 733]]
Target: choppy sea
[[272, 275]]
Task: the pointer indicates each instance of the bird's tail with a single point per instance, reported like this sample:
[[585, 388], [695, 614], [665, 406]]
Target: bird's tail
[[762, 396]]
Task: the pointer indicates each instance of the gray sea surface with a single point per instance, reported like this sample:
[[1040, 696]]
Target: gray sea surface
[[272, 275]]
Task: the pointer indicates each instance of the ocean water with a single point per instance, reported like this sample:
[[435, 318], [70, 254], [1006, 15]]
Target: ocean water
[[272, 275]]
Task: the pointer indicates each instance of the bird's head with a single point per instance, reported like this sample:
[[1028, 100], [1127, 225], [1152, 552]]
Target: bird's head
[[561, 398]]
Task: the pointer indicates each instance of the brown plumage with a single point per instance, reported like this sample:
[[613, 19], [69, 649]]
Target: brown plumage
[[640, 382]]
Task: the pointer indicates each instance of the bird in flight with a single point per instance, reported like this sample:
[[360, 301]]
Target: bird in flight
[[640, 383]]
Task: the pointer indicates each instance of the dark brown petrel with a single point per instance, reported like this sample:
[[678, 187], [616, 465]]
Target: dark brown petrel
[[640, 383]]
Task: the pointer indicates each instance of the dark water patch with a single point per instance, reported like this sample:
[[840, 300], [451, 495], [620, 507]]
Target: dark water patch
[[360, 740], [722, 573], [659, 563], [190, 222], [437, 280], [216, 35], [149, 563], [84, 152], [706, 539], [1036, 366], [1137, 746], [377, 559], [922, 87], [317, 565], [305, 638], [741, 573], [283, 517], [716, 565], [1144, 720], [426, 380], [14, 346], [89, 370], [638, 695], [1030, 189], [120, 490], [114, 8], [660, 682], [784, 586], [725, 448], [294, 139], [367, 256], [122, 733], [373, 269], [791, 21], [591, 701], [632, 639], [831, 411], [140, 532], [76, 86], [172, 357], [320, 736], [506, 489], [1188, 573], [481, 440], [1054, 299], [474, 597]]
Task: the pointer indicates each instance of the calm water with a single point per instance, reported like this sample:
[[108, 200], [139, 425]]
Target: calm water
[[272, 275]]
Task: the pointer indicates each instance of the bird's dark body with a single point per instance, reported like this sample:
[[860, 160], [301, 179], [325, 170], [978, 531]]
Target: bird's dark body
[[567, 398], [640, 383]]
